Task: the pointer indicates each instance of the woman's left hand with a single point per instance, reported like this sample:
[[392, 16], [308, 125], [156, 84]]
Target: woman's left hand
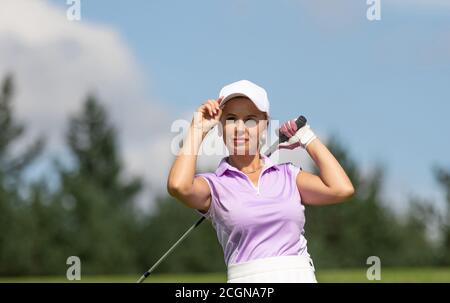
[[297, 137]]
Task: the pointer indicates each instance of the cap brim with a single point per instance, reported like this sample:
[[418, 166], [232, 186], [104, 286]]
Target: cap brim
[[231, 96]]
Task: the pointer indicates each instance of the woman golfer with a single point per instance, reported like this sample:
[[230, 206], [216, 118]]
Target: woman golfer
[[255, 205]]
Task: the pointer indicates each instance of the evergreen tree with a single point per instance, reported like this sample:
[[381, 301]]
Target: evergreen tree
[[200, 252], [15, 257], [346, 234], [442, 175], [103, 225], [13, 163]]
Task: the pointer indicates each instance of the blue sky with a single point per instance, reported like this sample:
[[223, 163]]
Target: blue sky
[[381, 86]]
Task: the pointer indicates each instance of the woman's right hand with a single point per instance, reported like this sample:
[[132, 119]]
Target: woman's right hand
[[207, 115]]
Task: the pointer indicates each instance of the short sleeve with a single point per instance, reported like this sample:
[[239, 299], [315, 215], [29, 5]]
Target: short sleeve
[[294, 169], [208, 214]]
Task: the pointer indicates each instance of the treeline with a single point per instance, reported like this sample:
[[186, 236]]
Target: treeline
[[90, 212]]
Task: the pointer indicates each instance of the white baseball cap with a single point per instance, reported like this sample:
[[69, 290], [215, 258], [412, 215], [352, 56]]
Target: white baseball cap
[[255, 93]]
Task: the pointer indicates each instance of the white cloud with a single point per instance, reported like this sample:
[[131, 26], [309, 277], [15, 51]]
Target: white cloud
[[56, 62]]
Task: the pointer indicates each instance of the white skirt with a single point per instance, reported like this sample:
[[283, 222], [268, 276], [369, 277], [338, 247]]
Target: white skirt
[[282, 269]]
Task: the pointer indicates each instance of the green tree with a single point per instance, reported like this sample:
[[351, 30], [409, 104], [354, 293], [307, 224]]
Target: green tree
[[48, 236], [442, 176], [13, 163], [346, 234], [200, 252], [102, 221], [15, 257], [417, 248]]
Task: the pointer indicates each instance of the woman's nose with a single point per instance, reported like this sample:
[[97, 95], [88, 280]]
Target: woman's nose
[[240, 126]]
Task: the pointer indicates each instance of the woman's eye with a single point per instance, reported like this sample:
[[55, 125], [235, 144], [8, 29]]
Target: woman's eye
[[250, 122], [231, 120]]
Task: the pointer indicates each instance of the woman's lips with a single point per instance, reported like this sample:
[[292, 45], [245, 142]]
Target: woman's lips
[[239, 140]]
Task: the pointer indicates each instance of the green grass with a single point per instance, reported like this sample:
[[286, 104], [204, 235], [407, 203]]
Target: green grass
[[323, 276]]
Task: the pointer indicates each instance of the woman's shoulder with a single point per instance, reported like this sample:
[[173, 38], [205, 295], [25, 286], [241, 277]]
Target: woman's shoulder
[[210, 177], [205, 174], [221, 168], [291, 167]]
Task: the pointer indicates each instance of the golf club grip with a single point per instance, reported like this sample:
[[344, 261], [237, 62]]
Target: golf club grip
[[301, 121]]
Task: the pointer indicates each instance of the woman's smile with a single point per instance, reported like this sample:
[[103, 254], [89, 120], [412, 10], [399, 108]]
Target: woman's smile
[[239, 141]]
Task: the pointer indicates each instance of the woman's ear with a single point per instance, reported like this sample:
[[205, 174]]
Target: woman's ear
[[262, 140], [220, 129], [263, 136], [268, 121]]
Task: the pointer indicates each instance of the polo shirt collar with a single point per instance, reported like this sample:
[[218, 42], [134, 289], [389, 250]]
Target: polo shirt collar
[[224, 165]]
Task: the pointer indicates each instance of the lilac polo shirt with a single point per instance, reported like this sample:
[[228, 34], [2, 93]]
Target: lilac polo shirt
[[256, 222]]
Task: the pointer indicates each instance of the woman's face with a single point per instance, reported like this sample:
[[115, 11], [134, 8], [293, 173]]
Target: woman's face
[[242, 123]]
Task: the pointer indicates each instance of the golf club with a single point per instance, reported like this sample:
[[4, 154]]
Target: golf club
[[300, 121]]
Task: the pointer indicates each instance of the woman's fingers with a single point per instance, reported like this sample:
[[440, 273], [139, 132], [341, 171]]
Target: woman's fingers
[[215, 106], [212, 107], [283, 129], [293, 125], [218, 115], [218, 101], [289, 128]]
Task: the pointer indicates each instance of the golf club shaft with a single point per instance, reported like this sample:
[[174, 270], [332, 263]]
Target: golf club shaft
[[301, 121], [147, 273]]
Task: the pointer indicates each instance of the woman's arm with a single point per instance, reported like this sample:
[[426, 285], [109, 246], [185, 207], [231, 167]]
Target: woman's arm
[[181, 184], [333, 184]]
